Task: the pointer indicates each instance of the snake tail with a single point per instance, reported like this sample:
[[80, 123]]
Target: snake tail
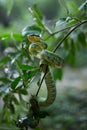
[[51, 91]]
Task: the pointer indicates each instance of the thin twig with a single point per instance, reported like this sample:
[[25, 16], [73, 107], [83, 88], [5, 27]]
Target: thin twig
[[74, 28], [48, 30], [64, 29], [42, 80]]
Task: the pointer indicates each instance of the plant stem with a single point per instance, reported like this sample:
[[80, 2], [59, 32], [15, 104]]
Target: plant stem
[[64, 29], [41, 83], [42, 79]]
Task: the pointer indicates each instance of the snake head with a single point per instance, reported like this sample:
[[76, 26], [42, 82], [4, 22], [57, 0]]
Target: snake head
[[33, 38]]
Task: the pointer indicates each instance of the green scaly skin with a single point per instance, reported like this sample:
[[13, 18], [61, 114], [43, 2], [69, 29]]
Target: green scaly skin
[[38, 49]]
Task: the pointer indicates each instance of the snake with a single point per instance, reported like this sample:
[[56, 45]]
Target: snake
[[38, 49]]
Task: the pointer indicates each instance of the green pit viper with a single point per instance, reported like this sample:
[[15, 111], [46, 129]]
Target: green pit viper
[[38, 48]]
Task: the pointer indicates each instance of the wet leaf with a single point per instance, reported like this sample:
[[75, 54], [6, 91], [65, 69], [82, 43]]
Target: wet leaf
[[5, 80], [26, 67], [35, 7], [58, 73], [12, 108], [23, 91], [29, 75], [6, 97], [15, 82], [66, 45], [15, 100], [71, 59], [5, 37], [82, 39], [36, 16], [31, 30], [4, 59], [18, 37]]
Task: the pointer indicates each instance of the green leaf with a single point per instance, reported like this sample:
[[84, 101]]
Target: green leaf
[[31, 30], [10, 36], [18, 36], [26, 67], [5, 80], [15, 82], [4, 59], [72, 7], [72, 53], [58, 73], [23, 91], [71, 59], [6, 97], [36, 9], [28, 75], [37, 17], [5, 37], [12, 108], [66, 45], [72, 21], [20, 90], [73, 46], [15, 100], [82, 39]]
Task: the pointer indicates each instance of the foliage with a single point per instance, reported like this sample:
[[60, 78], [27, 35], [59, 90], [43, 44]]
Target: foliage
[[19, 69]]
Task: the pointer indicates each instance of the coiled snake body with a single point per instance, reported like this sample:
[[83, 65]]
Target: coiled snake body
[[38, 48]]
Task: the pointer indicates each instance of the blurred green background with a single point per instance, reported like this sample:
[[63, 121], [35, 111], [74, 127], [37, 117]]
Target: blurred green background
[[69, 111]]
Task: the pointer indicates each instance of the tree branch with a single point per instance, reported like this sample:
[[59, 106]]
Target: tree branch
[[64, 29]]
